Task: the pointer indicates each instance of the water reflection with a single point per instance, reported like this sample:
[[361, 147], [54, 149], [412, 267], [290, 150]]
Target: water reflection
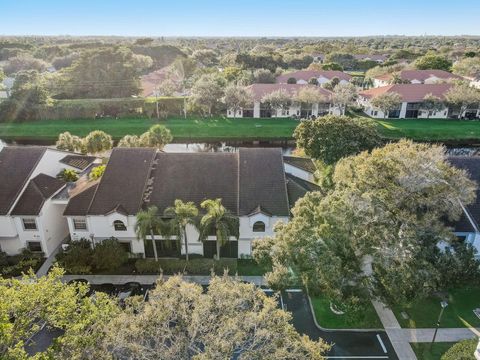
[[287, 146]]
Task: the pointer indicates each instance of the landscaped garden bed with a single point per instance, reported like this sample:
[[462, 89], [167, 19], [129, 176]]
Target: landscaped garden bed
[[11, 266], [364, 318], [458, 313]]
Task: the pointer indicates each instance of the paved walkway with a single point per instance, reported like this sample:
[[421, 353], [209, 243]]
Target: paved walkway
[[151, 279], [401, 338], [49, 261], [394, 332]]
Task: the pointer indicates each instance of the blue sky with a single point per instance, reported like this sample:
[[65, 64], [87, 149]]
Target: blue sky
[[240, 18]]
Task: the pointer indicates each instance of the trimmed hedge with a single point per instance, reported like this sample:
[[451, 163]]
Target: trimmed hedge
[[198, 266], [95, 108]]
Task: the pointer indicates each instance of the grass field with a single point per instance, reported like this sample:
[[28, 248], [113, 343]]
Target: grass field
[[327, 319], [423, 352], [430, 129], [220, 128], [459, 312], [182, 129]]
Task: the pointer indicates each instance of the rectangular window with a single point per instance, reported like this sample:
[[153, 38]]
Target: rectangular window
[[34, 246], [29, 224], [80, 224]]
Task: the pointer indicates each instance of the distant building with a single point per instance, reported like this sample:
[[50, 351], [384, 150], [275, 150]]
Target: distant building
[[412, 96], [417, 77], [261, 110], [318, 58], [322, 76]]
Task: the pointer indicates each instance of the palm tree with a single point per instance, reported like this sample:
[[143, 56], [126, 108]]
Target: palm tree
[[182, 214], [148, 222], [218, 220]]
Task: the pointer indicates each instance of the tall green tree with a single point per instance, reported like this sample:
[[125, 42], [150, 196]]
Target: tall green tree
[[277, 100], [462, 96], [148, 223], [375, 233], [433, 61], [387, 102], [181, 215], [157, 136], [108, 72], [207, 92], [229, 320], [97, 142], [330, 138], [28, 303], [432, 104], [219, 221], [237, 98], [343, 96]]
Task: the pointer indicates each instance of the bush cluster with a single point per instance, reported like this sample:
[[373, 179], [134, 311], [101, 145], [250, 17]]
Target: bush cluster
[[195, 266], [18, 264], [81, 258]]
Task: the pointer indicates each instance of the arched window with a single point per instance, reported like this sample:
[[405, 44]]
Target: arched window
[[259, 226], [119, 225]]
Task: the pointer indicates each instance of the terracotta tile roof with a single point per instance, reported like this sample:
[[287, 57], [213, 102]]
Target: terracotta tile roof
[[409, 92], [421, 75], [16, 165], [38, 190], [308, 74], [260, 90]]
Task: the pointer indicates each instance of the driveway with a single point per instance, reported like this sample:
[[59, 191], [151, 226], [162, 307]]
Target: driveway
[[346, 344]]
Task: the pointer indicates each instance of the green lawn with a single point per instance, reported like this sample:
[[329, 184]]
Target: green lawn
[[221, 128], [327, 319], [182, 129], [423, 352], [430, 129], [458, 313]]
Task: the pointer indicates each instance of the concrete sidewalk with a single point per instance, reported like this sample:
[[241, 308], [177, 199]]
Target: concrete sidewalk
[[49, 261], [151, 279], [394, 332], [401, 338]]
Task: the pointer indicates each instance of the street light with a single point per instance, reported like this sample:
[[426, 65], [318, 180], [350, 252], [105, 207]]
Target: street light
[[443, 304]]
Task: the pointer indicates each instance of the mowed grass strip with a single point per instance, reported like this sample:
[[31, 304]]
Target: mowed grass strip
[[430, 129], [218, 128], [459, 312]]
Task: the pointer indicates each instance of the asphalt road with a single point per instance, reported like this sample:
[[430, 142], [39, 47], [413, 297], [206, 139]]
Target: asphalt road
[[346, 344]]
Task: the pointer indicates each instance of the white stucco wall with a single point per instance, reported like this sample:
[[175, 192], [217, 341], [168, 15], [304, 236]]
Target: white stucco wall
[[302, 174], [102, 228]]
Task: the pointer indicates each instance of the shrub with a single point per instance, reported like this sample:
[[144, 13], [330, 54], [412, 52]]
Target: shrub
[[97, 172], [195, 266], [77, 259], [463, 350], [68, 175], [109, 255], [291, 80], [147, 266]]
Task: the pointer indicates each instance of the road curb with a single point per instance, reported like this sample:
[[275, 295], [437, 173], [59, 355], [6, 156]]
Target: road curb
[[332, 330]]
